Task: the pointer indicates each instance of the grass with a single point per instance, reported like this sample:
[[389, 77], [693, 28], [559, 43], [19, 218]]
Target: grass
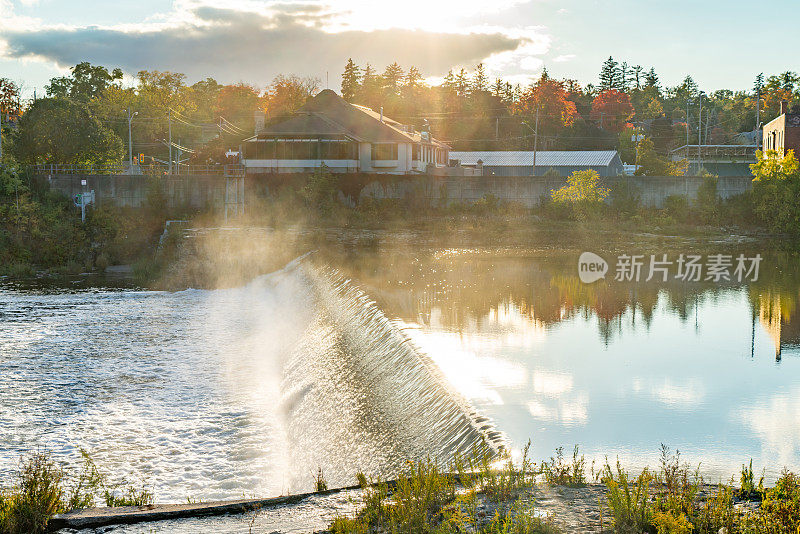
[[557, 472], [320, 483], [668, 502], [42, 489], [481, 496], [427, 499]]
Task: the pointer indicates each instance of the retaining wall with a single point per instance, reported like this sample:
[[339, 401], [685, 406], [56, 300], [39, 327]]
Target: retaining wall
[[207, 191]]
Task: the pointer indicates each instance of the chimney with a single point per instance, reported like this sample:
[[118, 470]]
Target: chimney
[[381, 113], [258, 121], [784, 107]]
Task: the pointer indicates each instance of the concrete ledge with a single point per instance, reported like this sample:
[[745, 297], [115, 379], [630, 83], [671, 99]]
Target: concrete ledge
[[98, 517]]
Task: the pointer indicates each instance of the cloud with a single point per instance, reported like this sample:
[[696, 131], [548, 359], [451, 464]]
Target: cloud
[[564, 58], [234, 45]]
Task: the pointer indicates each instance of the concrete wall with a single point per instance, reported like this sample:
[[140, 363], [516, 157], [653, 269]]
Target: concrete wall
[[190, 191], [203, 191], [529, 190]]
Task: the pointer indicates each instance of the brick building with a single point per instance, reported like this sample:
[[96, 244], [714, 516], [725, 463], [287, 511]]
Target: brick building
[[783, 132]]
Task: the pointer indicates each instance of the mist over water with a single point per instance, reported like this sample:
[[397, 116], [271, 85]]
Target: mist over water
[[216, 394]]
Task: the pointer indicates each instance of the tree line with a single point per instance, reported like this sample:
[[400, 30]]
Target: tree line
[[84, 117]]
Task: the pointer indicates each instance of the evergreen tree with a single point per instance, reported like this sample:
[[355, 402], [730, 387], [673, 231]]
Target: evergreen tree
[[480, 82], [371, 85], [609, 74], [759, 84], [413, 78], [624, 78], [449, 81], [498, 88], [651, 79], [392, 77], [461, 83], [350, 80], [637, 76]]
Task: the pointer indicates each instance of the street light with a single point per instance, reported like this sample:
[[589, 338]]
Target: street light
[[130, 140]]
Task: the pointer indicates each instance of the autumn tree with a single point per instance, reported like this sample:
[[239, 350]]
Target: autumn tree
[[613, 109], [777, 89], [9, 97], [287, 93], [549, 97]]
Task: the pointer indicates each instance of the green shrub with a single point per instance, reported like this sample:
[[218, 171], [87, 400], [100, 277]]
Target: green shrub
[[628, 500], [708, 203], [583, 194], [38, 496], [677, 207], [776, 188], [320, 190], [625, 198], [780, 509]]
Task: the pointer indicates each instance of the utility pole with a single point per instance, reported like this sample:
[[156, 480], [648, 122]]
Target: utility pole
[[535, 139], [687, 127], [169, 118], [130, 139], [497, 128], [699, 135]]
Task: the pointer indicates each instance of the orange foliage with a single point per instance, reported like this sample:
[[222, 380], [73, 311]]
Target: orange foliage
[[613, 108], [556, 111]]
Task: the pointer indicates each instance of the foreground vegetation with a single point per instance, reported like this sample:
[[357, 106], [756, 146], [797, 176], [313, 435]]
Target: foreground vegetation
[[42, 489], [672, 499], [481, 494]]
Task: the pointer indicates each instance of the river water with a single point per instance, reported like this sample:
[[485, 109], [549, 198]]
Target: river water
[[215, 394]]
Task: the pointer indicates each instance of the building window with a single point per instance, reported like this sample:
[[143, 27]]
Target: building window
[[337, 150], [384, 151]]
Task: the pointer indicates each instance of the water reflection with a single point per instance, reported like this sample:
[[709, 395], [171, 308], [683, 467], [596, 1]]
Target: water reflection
[[711, 369]]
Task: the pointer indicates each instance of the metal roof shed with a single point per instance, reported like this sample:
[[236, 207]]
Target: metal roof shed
[[520, 162]]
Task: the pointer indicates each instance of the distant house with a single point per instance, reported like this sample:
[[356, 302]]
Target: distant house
[[521, 163], [783, 132], [343, 136]]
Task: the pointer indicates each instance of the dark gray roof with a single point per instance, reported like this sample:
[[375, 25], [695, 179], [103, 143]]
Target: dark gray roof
[[544, 158], [329, 114]]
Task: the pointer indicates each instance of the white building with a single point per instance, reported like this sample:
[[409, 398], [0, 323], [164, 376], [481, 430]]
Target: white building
[[343, 136]]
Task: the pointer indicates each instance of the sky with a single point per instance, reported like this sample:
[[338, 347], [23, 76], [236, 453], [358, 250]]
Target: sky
[[721, 43]]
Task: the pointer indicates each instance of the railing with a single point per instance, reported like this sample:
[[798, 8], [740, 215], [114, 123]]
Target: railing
[[141, 170], [716, 151]]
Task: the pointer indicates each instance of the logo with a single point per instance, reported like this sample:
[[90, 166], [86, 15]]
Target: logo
[[591, 267]]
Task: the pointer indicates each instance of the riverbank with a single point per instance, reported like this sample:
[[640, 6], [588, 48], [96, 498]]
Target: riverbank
[[480, 496]]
